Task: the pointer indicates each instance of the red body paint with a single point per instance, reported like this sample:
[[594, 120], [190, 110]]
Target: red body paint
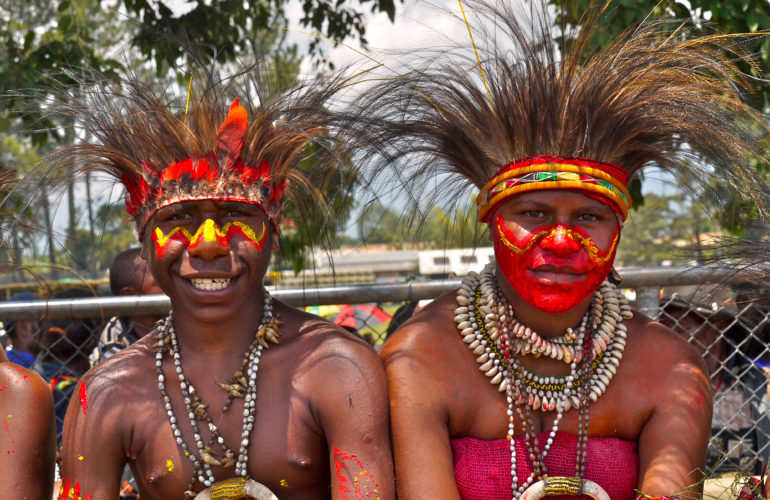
[[83, 397], [9, 432], [68, 492], [559, 246], [209, 231], [362, 484]]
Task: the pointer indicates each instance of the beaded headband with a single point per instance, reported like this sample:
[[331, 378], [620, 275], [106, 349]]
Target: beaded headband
[[214, 175], [604, 181]]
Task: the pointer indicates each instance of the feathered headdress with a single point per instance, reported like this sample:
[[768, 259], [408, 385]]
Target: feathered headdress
[[528, 112], [216, 141]]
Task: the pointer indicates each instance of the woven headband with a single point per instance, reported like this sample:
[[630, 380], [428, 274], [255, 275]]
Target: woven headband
[[596, 179]]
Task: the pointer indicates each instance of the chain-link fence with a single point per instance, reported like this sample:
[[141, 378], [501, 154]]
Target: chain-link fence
[[726, 320]]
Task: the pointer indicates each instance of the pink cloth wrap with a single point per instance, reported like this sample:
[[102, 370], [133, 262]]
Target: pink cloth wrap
[[483, 468]]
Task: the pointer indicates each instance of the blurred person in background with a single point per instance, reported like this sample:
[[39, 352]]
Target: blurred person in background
[[129, 275], [64, 361], [24, 335]]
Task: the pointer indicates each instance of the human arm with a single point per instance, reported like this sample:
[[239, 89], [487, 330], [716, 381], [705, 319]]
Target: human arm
[[673, 441], [350, 394], [92, 447], [419, 411], [28, 439]]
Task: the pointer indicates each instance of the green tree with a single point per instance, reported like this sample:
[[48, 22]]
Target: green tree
[[378, 223], [457, 229], [666, 230], [733, 16]]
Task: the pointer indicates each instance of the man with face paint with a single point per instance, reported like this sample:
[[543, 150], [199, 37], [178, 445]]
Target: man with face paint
[[233, 394], [535, 378]]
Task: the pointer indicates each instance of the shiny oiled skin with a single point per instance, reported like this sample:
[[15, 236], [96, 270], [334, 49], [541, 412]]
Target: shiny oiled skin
[[27, 436], [660, 398], [319, 389]]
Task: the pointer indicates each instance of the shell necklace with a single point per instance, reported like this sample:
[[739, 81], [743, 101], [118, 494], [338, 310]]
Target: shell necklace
[[486, 322], [242, 385]]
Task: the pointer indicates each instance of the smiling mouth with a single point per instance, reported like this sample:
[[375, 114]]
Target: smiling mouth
[[210, 284]]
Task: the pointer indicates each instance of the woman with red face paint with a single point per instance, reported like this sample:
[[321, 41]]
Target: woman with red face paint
[[536, 377]]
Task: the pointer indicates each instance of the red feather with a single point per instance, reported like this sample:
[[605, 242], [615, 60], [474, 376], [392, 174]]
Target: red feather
[[230, 135]]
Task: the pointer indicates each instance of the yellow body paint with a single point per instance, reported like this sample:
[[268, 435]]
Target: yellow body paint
[[211, 232], [586, 242]]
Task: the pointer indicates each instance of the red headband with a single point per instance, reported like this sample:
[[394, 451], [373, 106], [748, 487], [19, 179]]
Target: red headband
[[600, 180], [217, 175]]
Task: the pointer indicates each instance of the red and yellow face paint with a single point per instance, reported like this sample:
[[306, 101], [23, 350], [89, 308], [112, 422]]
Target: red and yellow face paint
[[210, 232], [568, 249]]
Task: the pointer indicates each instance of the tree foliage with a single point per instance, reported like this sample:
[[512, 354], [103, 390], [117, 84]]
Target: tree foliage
[[226, 27], [733, 16], [729, 17], [667, 230]]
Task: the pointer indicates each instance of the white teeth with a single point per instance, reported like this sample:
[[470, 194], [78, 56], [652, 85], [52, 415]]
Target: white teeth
[[210, 283]]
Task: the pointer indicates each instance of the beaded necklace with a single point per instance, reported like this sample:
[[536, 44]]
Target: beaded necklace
[[486, 322], [243, 384]]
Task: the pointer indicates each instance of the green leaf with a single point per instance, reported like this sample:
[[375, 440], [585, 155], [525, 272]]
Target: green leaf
[[64, 23], [752, 21]]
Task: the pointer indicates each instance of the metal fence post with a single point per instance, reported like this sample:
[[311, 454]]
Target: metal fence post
[[648, 301]]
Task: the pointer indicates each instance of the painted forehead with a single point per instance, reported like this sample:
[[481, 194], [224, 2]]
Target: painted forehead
[[603, 181]]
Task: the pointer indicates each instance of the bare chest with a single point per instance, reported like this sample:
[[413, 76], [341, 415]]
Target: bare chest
[[286, 452]]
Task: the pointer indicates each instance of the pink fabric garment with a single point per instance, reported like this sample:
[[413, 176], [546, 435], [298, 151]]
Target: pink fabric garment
[[483, 468]]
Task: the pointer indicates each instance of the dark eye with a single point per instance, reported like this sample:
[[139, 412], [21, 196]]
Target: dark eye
[[533, 213], [589, 218], [177, 216], [236, 213]]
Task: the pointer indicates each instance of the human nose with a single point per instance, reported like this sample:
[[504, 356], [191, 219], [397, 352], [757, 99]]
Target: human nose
[[560, 242], [208, 242]]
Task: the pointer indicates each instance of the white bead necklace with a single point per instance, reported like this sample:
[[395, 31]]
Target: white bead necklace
[[267, 331]]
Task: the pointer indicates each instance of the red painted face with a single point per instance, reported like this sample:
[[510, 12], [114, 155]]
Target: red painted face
[[553, 267]]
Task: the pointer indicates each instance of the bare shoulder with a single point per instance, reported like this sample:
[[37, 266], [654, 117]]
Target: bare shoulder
[[121, 378], [429, 337], [29, 438], [429, 326], [657, 344], [24, 392], [315, 339], [666, 365]]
